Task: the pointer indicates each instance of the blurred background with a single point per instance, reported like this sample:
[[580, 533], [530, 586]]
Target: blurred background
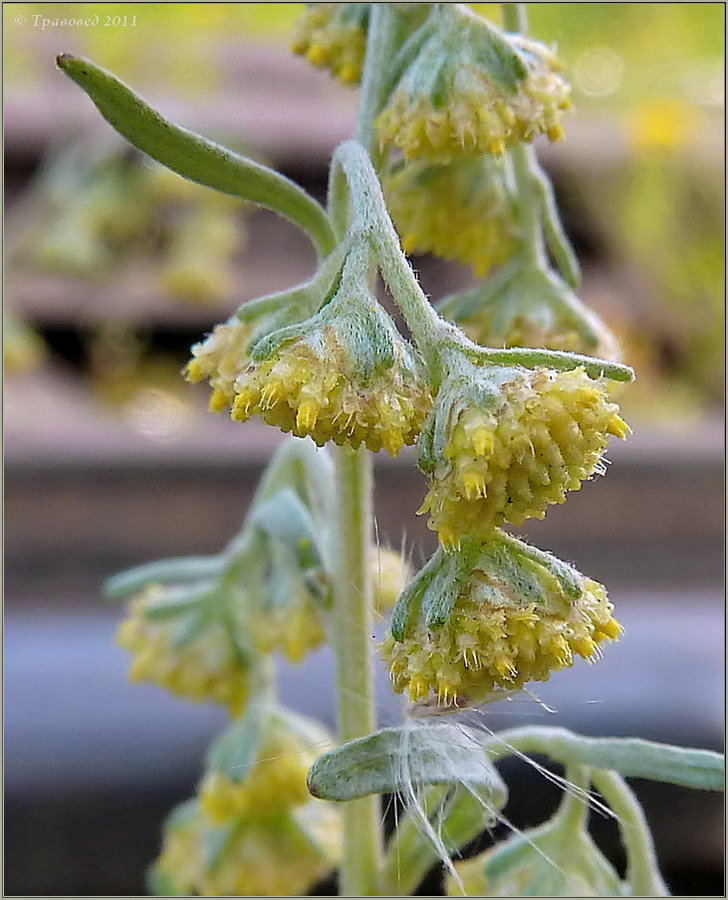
[[114, 267]]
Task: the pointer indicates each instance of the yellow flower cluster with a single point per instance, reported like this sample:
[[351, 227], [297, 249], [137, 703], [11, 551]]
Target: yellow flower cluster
[[477, 114], [311, 386], [277, 780], [278, 856], [507, 461], [221, 358], [295, 629], [205, 666], [460, 211], [493, 640], [328, 42]]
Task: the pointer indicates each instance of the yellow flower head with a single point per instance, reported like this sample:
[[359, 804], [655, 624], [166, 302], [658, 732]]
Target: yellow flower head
[[333, 36], [502, 443], [525, 305], [493, 619], [177, 644], [220, 359], [280, 855], [260, 769], [461, 211], [346, 376], [494, 90]]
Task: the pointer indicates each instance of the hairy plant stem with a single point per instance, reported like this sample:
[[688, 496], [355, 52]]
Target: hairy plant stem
[[361, 865], [359, 874], [643, 874]]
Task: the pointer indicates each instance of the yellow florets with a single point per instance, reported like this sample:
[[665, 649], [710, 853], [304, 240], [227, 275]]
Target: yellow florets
[[330, 43], [493, 640], [295, 629], [312, 387], [276, 782], [508, 460], [477, 113], [206, 666], [460, 211], [280, 855], [221, 358]]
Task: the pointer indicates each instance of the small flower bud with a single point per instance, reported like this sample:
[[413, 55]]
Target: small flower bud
[[183, 647], [345, 375], [472, 88], [529, 306], [502, 443], [391, 572], [462, 211], [490, 618]]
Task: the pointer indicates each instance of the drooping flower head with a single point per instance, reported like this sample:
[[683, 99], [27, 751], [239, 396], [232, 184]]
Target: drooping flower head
[[526, 305], [504, 442], [462, 211], [471, 88], [294, 591], [280, 855], [345, 375], [489, 618], [224, 355], [259, 764], [333, 36], [181, 640]]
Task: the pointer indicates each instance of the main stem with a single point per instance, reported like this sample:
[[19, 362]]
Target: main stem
[[359, 873]]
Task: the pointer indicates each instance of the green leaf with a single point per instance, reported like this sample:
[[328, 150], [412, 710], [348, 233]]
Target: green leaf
[[395, 759], [632, 757], [285, 518], [178, 570], [194, 157]]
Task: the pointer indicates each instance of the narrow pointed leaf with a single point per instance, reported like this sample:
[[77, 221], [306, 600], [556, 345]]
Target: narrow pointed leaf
[[163, 571], [194, 157]]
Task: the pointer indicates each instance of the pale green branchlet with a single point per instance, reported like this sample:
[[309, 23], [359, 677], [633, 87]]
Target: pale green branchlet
[[502, 432]]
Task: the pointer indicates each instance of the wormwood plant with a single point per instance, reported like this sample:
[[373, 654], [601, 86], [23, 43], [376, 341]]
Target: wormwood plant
[[449, 106]]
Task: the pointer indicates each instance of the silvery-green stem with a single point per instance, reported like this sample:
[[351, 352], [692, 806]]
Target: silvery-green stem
[[643, 874], [352, 617], [382, 36]]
